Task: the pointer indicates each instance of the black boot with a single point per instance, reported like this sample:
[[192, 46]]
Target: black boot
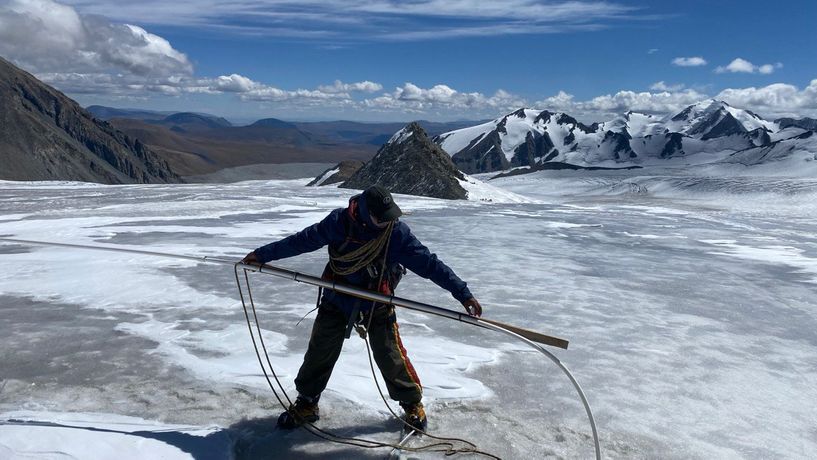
[[415, 415], [303, 410]]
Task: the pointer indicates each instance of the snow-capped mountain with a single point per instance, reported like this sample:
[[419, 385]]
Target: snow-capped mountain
[[710, 119], [793, 142], [530, 137]]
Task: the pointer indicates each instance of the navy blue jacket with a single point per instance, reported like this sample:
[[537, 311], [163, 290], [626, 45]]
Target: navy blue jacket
[[404, 248]]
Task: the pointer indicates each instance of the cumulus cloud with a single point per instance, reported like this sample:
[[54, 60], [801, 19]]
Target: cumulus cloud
[[561, 101], [234, 84], [694, 61], [739, 65], [246, 89], [362, 86], [778, 99], [772, 101], [249, 90], [45, 36], [413, 98], [647, 102], [661, 86], [609, 105]]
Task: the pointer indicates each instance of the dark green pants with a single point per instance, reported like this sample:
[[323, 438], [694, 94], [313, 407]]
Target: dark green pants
[[327, 340]]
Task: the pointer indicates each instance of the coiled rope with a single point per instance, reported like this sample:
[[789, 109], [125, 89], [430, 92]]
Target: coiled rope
[[362, 256]]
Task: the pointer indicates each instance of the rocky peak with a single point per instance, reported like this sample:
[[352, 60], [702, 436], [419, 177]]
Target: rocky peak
[[519, 113], [544, 117], [406, 133], [803, 123], [699, 109], [410, 163], [565, 119]]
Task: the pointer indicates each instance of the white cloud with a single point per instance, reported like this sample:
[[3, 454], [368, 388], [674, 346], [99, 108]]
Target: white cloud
[[272, 94], [739, 65], [661, 86], [767, 68], [361, 86], [234, 84], [609, 105], [623, 101], [246, 89], [45, 36], [413, 98], [694, 61], [561, 101], [772, 101], [778, 99], [249, 90], [652, 50]]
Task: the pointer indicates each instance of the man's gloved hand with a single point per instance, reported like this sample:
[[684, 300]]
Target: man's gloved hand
[[473, 307], [250, 259]]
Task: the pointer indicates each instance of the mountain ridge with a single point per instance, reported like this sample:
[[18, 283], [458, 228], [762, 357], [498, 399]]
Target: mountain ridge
[[45, 135], [527, 137]]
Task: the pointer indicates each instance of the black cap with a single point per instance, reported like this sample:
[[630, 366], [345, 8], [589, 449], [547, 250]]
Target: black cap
[[381, 204]]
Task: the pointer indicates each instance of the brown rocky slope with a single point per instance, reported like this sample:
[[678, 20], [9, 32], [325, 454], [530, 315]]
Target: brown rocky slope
[[44, 135]]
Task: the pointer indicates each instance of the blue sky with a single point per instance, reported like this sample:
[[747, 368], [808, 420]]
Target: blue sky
[[432, 59]]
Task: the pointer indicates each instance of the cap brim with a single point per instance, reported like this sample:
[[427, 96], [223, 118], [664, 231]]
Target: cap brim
[[393, 212]]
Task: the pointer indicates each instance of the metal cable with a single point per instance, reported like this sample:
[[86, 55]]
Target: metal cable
[[365, 336]]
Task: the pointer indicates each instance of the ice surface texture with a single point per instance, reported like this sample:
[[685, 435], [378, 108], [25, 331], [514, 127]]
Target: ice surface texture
[[688, 301]]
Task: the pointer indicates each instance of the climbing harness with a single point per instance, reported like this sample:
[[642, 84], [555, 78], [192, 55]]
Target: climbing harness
[[530, 338]]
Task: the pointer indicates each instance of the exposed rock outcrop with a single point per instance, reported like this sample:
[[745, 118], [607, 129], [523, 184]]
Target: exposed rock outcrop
[[413, 165], [341, 172]]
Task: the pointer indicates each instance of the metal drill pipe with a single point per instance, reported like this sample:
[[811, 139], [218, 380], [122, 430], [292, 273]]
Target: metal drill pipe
[[316, 281], [401, 302]]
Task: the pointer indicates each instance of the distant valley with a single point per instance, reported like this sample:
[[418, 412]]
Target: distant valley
[[195, 143]]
